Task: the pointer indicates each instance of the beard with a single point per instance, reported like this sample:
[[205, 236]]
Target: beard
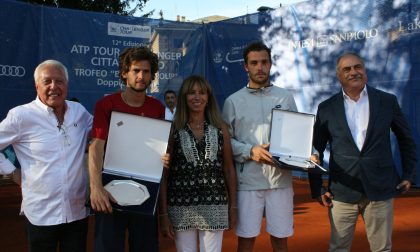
[[139, 90], [259, 81]]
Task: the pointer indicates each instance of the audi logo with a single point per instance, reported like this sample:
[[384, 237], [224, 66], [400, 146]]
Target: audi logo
[[12, 71]]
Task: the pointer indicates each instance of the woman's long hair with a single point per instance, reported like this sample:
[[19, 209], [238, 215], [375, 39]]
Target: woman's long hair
[[182, 114]]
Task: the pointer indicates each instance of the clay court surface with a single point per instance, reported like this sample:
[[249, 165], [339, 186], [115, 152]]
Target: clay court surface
[[311, 224]]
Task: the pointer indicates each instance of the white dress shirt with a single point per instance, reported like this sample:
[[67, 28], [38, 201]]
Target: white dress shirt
[[168, 114], [357, 114], [54, 175]]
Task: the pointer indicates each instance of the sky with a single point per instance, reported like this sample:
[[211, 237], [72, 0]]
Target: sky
[[195, 9]]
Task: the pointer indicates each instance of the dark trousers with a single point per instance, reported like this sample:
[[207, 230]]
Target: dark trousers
[[69, 237], [110, 232]]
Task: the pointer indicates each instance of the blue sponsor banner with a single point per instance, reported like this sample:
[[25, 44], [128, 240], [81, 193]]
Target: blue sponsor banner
[[225, 65], [89, 44], [305, 38], [19, 54]]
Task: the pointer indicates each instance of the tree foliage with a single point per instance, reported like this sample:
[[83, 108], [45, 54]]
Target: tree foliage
[[120, 7]]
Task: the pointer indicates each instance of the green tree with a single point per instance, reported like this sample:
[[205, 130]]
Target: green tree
[[120, 7]]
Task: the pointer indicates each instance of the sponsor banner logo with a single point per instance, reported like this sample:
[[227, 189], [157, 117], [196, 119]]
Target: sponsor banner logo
[[127, 30], [12, 71]]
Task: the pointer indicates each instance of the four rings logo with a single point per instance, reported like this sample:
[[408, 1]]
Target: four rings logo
[[12, 71]]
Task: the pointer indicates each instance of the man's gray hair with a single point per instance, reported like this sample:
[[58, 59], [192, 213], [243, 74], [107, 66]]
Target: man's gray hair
[[54, 63], [347, 54]]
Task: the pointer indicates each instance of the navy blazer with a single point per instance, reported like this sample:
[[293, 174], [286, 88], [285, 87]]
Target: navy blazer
[[370, 171]]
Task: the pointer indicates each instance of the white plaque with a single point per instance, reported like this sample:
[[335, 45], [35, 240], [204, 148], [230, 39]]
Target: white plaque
[[135, 146], [291, 138]]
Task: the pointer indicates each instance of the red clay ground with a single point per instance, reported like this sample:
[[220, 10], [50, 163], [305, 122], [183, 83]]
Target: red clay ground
[[311, 225]]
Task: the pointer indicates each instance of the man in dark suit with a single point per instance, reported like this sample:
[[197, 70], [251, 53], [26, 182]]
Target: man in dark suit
[[356, 123]]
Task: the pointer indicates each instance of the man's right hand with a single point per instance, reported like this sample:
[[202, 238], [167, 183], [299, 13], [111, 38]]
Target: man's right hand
[[326, 199], [260, 154], [100, 200], [99, 197]]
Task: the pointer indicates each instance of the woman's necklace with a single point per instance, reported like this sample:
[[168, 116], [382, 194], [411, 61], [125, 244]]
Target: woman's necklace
[[196, 126], [197, 130]]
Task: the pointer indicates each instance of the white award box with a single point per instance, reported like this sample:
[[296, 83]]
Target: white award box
[[291, 139], [132, 164]]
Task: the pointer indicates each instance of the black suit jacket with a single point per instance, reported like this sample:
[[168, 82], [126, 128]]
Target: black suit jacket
[[370, 171]]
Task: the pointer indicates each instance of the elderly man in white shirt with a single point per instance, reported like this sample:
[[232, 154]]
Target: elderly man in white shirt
[[49, 136]]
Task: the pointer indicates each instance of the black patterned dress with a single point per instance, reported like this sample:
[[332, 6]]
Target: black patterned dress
[[197, 194]]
